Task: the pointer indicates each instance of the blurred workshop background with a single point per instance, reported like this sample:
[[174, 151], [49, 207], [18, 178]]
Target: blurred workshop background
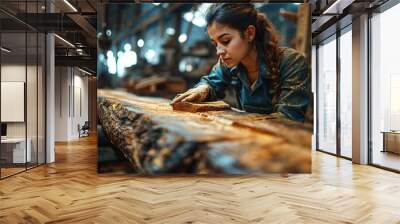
[[161, 49]]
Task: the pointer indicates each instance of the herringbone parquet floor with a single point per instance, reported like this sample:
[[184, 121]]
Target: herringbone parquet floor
[[70, 191]]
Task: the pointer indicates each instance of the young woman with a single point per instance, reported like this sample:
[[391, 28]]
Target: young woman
[[266, 78]]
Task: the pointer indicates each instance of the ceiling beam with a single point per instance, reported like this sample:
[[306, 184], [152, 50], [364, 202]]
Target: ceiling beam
[[83, 61], [79, 20]]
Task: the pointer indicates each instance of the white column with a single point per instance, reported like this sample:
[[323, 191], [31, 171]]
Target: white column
[[50, 93], [360, 90]]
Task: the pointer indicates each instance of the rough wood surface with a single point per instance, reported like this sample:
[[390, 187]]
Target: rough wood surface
[[158, 140], [200, 107]]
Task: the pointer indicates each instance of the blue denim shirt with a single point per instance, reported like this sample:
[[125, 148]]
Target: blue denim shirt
[[294, 83]]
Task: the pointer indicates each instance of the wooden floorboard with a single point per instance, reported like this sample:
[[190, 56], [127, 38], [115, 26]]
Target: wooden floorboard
[[71, 191]]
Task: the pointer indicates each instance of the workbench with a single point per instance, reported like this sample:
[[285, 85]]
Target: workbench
[[157, 140]]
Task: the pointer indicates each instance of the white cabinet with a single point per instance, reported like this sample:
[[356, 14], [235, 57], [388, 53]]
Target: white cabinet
[[17, 146]]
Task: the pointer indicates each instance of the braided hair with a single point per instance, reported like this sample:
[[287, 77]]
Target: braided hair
[[239, 17]]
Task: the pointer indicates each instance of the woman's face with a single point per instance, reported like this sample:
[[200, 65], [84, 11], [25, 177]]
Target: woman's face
[[231, 46]]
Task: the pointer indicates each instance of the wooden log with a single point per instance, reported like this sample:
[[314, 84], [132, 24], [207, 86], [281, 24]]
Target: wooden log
[[158, 140]]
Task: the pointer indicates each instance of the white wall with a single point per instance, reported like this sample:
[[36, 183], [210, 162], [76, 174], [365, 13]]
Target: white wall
[[61, 103], [34, 124], [80, 104], [12, 73], [71, 94]]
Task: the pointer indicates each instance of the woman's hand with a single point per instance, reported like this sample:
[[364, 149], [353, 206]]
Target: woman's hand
[[198, 94]]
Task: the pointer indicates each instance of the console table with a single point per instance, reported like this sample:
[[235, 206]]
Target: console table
[[391, 141]]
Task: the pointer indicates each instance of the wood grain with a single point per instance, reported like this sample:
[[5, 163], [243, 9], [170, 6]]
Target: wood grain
[[200, 107]]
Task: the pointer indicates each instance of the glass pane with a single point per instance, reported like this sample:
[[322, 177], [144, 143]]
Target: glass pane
[[346, 94], [41, 98], [31, 97], [314, 82], [327, 96], [14, 151], [385, 84]]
